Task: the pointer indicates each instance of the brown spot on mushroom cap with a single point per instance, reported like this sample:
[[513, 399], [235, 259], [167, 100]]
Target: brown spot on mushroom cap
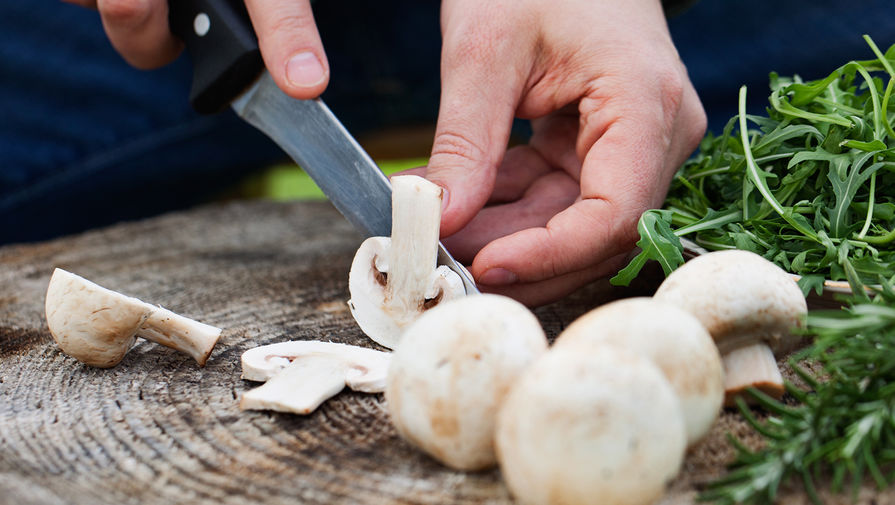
[[444, 419]]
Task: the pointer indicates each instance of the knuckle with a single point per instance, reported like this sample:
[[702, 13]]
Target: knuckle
[[125, 12], [627, 230], [697, 123], [455, 146], [291, 25], [671, 89]]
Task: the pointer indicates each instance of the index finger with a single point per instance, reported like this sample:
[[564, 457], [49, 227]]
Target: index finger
[[138, 30]]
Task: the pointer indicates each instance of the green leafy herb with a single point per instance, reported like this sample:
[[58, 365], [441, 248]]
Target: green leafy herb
[[811, 186], [842, 433]]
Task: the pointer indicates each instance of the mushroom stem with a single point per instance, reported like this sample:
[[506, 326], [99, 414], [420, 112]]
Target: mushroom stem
[[300, 387], [181, 333], [412, 257], [751, 366]]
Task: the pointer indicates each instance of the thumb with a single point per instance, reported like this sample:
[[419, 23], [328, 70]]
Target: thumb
[[290, 45], [474, 120]]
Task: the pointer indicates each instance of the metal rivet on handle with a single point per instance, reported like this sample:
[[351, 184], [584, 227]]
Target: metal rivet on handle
[[201, 24]]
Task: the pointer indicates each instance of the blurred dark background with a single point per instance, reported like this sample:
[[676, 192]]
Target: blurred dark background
[[87, 141]]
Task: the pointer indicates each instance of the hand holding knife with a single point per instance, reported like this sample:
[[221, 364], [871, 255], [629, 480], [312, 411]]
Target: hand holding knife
[[228, 69]]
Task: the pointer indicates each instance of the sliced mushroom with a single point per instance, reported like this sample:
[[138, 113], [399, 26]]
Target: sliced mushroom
[[394, 280], [449, 375], [750, 306], [669, 336], [97, 326], [301, 375], [603, 426]]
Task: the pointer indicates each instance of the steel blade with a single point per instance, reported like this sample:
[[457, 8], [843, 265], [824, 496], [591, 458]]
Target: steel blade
[[312, 135]]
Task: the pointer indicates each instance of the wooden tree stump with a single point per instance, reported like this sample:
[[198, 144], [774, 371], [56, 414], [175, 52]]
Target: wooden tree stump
[[157, 429]]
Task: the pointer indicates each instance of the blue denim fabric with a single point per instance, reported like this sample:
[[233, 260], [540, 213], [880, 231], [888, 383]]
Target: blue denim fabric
[[728, 43], [86, 140]]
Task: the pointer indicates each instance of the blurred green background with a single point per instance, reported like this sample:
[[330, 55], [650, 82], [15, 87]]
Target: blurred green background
[[289, 182]]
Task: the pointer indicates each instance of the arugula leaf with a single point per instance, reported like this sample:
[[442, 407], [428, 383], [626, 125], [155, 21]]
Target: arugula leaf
[[658, 242]]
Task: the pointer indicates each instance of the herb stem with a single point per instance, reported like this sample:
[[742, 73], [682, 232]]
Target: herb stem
[[870, 204], [880, 239], [758, 178], [836, 105]]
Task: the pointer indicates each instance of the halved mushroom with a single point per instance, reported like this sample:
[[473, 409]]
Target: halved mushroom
[[301, 375], [749, 305], [672, 338], [97, 326], [394, 280]]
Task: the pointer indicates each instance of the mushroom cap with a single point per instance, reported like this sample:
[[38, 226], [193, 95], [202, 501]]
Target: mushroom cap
[[597, 427], [90, 323], [451, 372], [669, 336], [740, 297], [367, 286]]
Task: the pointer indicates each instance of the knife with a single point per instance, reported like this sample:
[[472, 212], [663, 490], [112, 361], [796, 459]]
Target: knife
[[228, 70]]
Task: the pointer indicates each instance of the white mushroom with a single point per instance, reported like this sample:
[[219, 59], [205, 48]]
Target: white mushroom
[[394, 280], [451, 372], [301, 375], [603, 426], [749, 305], [97, 326], [669, 336]]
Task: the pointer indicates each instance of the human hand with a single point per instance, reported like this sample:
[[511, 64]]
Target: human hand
[[613, 116], [287, 36]]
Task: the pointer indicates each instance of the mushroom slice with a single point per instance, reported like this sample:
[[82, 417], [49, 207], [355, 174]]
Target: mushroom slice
[[749, 305], [301, 375], [97, 326], [394, 280]]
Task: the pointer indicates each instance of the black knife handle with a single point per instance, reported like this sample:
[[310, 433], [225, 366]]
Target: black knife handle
[[218, 35]]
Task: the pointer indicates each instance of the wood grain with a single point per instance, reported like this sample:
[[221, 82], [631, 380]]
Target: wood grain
[[157, 429]]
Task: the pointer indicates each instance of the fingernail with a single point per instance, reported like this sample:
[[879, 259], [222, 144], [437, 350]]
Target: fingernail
[[498, 277], [305, 70]]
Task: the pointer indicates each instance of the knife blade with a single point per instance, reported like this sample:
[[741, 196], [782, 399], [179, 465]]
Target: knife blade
[[227, 69]]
